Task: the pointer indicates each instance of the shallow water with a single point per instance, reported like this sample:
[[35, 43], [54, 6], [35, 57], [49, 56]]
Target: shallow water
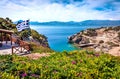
[[57, 35]]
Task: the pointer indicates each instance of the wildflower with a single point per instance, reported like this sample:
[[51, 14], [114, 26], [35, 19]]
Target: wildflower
[[97, 54], [73, 62], [24, 75]]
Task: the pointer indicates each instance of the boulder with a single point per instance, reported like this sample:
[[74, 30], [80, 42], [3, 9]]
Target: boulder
[[77, 40], [70, 38], [84, 41]]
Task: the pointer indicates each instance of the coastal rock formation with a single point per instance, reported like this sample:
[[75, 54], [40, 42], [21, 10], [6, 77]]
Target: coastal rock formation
[[105, 39], [34, 37]]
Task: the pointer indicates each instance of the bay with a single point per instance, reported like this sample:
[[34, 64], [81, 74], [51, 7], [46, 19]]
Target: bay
[[57, 35]]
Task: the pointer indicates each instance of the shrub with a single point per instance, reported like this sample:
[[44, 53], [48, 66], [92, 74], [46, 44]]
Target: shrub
[[68, 65], [39, 49], [90, 32], [24, 34], [108, 28], [6, 24]]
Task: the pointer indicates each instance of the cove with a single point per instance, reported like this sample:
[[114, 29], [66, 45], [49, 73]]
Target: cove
[[57, 35]]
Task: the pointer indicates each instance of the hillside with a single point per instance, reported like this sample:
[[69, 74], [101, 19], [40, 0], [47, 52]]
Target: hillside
[[26, 35], [106, 39], [6, 24]]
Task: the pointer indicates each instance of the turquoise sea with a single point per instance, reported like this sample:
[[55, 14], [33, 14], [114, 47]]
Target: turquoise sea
[[57, 35]]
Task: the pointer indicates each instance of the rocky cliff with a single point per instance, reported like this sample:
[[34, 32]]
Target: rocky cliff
[[105, 39]]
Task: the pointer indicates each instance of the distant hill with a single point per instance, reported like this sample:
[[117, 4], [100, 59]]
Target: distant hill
[[101, 22], [83, 23], [55, 23]]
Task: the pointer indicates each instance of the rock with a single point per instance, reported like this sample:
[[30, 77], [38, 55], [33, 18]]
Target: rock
[[97, 49], [84, 41], [95, 46], [103, 40], [77, 39], [70, 38]]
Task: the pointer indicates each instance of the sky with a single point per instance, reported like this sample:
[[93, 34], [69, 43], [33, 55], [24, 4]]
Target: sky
[[60, 10]]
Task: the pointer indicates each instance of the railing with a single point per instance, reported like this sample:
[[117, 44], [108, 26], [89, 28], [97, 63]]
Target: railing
[[22, 47]]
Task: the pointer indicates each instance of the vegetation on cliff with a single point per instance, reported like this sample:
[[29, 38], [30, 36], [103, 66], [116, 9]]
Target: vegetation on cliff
[[25, 34], [6, 24]]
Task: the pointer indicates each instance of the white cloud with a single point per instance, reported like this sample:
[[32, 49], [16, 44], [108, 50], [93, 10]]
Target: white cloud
[[37, 10]]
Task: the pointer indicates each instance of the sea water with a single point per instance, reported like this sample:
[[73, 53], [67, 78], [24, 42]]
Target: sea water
[[58, 35]]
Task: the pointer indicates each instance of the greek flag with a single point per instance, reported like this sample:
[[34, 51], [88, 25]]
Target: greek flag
[[23, 25]]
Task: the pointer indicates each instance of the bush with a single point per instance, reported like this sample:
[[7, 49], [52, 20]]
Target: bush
[[90, 32], [6, 24], [68, 65], [39, 49], [24, 34]]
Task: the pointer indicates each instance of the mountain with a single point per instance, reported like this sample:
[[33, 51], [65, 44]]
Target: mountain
[[82, 23], [101, 22], [55, 23]]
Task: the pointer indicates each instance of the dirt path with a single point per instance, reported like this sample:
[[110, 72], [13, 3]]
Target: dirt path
[[5, 52], [36, 55]]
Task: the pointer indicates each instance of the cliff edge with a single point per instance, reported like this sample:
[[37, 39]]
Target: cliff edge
[[105, 39]]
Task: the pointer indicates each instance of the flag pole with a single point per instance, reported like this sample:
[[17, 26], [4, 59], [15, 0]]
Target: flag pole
[[29, 28]]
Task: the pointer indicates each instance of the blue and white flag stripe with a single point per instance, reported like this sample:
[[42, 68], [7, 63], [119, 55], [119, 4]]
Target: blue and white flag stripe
[[23, 25]]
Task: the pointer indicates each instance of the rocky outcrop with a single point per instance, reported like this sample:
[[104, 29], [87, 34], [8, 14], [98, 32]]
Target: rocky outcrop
[[99, 39], [42, 41]]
